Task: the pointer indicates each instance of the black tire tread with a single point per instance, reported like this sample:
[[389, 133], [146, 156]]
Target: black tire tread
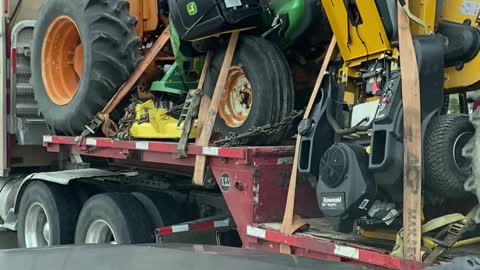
[[281, 102], [113, 40], [441, 174], [139, 226], [66, 205]]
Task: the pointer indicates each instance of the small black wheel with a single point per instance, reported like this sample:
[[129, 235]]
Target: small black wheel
[[446, 169], [114, 218], [259, 89], [46, 216]]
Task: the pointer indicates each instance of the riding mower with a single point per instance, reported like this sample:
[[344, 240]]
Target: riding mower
[[84, 51], [353, 142]]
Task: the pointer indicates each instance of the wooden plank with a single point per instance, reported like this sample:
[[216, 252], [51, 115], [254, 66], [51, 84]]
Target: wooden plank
[[288, 218], [201, 161], [412, 141], [137, 73], [205, 102]]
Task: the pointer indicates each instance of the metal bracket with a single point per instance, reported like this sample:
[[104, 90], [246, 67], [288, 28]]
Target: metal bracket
[[90, 129], [186, 120]]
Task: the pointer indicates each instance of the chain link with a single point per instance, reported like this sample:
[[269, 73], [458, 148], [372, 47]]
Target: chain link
[[234, 139]]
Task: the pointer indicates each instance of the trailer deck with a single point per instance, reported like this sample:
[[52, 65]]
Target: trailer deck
[[254, 183]]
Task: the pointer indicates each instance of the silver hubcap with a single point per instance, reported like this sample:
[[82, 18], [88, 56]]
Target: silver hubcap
[[37, 228], [463, 164], [100, 232]]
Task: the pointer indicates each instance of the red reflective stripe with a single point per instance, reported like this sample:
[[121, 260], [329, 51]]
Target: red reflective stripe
[[157, 147], [104, 143], [280, 238], [164, 231], [201, 226]]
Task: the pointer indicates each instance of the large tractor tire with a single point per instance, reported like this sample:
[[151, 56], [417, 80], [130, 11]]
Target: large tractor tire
[[82, 52], [259, 90]]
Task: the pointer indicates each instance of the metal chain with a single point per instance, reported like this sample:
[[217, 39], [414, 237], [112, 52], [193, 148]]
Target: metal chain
[[234, 139]]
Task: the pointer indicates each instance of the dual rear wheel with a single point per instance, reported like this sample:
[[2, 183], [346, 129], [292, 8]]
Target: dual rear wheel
[[49, 215]]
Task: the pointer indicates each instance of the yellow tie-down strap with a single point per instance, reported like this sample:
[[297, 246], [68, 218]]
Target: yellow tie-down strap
[[435, 224]]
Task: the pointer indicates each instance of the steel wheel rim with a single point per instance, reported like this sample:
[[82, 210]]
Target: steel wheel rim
[[37, 226], [461, 163], [237, 100], [62, 60], [100, 232]]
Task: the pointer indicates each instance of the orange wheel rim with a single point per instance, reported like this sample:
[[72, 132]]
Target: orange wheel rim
[[237, 100], [62, 60]]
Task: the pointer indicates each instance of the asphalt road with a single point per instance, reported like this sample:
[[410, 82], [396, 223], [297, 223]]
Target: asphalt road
[[8, 240]]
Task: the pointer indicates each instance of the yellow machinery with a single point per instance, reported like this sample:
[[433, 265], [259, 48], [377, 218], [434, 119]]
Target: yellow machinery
[[155, 123], [361, 108]]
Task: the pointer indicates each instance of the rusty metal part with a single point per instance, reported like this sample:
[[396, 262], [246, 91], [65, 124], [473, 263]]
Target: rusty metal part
[[142, 93], [109, 127], [238, 98], [62, 60]]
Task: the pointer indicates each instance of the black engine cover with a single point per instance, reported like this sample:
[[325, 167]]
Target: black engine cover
[[196, 19], [344, 183]]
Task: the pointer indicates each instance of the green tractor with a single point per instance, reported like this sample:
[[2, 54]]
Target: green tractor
[[260, 89]]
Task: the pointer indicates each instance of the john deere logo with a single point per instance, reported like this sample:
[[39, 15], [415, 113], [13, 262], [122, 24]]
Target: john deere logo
[[192, 8]]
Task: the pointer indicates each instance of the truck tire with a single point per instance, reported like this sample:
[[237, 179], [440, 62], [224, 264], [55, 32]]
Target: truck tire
[[160, 208], [82, 52], [46, 216], [117, 218], [445, 168], [259, 83]]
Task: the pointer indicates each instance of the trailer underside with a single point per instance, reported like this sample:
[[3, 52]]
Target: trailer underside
[[254, 184]]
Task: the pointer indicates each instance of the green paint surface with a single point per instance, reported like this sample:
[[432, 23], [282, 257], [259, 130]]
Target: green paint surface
[[192, 8]]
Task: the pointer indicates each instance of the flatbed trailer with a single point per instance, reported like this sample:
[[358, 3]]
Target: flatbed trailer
[[252, 181], [254, 184]]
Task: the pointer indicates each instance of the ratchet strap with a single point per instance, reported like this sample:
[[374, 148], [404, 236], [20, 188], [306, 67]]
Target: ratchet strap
[[455, 225], [292, 223], [109, 128]]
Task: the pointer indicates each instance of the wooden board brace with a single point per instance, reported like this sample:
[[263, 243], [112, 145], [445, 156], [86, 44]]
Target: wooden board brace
[[211, 115], [292, 223], [195, 95], [109, 126], [412, 141]]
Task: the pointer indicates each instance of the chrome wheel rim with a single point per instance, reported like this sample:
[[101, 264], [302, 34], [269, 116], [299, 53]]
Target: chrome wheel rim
[[100, 232], [37, 227], [463, 164]]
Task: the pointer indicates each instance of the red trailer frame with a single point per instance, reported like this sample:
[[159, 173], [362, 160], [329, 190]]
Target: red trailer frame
[[254, 182]]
